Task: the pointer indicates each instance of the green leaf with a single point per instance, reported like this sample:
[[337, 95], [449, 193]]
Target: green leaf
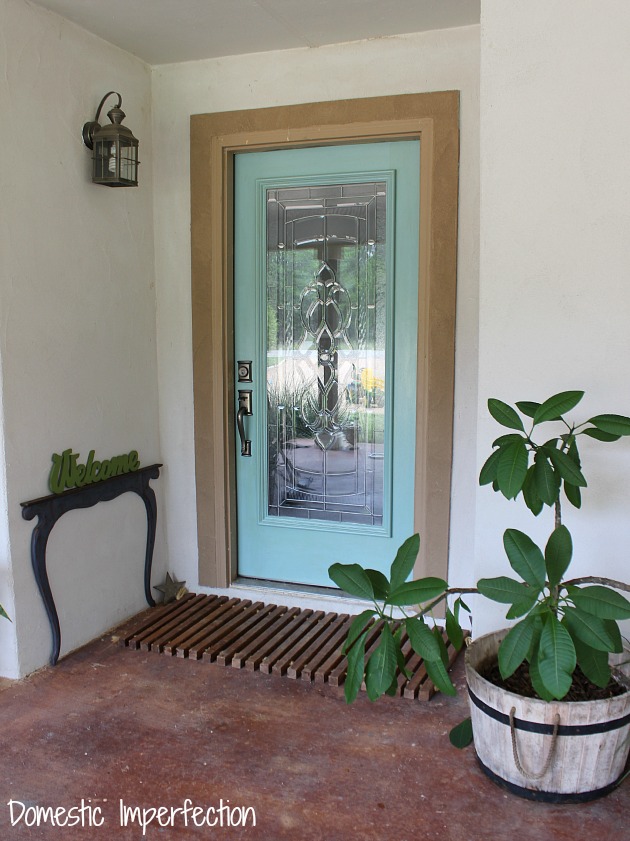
[[515, 647], [527, 407], [4, 614], [530, 492], [555, 406], [417, 592], [615, 634], [556, 681], [573, 452], [512, 469], [353, 579], [547, 480], [422, 640], [601, 601], [400, 657], [558, 553], [392, 689], [489, 470], [613, 424], [504, 440], [356, 668], [566, 467], [403, 563], [504, 590], [600, 435], [358, 625], [573, 494], [438, 674], [504, 414], [464, 606], [556, 657], [454, 630], [525, 558], [588, 629], [380, 584], [519, 609], [437, 633], [538, 624], [462, 734], [536, 679], [381, 667], [594, 663]]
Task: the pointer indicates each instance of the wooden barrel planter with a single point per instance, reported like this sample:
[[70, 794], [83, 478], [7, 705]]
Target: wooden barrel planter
[[552, 751]]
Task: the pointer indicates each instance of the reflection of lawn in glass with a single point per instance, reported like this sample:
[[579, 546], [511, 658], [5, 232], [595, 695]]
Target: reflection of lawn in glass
[[372, 426]]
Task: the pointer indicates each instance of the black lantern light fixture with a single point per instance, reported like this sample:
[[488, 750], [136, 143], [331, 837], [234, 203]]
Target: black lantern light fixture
[[115, 149]]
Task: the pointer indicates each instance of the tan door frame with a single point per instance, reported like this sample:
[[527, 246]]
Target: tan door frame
[[215, 138]]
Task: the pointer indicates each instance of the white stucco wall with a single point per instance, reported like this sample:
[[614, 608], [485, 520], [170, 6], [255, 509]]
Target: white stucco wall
[[555, 252], [442, 60], [77, 326]]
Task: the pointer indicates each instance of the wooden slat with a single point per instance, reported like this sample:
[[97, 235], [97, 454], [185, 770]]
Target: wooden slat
[[251, 655], [178, 637], [281, 666], [310, 619], [153, 640], [209, 632], [243, 614], [318, 668], [288, 624], [246, 630], [301, 644], [212, 619], [282, 640], [162, 613], [302, 663]]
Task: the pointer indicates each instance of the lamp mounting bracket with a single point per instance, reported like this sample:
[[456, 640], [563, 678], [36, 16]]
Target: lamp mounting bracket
[[90, 128]]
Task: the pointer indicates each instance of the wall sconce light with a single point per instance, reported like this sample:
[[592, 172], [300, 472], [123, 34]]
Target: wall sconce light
[[115, 149]]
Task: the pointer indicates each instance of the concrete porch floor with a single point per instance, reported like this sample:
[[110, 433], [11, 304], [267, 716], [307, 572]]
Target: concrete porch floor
[[109, 724]]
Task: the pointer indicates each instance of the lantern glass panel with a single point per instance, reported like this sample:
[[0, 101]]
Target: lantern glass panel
[[115, 162], [128, 161]]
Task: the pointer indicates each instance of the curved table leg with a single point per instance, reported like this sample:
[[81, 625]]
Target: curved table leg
[[39, 540], [148, 497]]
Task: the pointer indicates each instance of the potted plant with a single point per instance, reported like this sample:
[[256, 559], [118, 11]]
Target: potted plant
[[530, 733]]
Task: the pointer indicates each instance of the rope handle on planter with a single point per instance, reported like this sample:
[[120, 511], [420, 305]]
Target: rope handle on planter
[[554, 738]]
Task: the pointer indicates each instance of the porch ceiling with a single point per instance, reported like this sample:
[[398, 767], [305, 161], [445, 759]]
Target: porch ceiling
[[167, 31]]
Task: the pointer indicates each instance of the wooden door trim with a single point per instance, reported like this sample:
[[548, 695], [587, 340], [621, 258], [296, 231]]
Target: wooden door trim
[[433, 118]]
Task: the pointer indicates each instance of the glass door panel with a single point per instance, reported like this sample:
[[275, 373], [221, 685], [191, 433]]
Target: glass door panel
[[326, 351]]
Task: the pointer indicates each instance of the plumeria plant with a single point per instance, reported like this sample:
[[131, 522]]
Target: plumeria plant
[[562, 623]]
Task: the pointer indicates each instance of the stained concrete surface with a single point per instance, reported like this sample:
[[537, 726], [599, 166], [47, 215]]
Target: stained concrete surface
[[108, 724]]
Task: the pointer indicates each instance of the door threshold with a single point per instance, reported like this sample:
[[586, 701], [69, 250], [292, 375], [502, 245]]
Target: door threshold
[[291, 595]]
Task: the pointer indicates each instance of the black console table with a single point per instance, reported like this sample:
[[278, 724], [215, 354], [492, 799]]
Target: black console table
[[49, 509]]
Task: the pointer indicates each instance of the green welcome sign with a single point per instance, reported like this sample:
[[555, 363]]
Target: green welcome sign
[[66, 471]]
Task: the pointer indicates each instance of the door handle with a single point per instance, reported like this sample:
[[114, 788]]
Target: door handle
[[244, 410]]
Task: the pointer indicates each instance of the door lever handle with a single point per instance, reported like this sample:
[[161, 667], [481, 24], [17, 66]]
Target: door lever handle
[[244, 410]]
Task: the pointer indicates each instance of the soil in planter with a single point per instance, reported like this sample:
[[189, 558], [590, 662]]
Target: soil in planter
[[581, 689]]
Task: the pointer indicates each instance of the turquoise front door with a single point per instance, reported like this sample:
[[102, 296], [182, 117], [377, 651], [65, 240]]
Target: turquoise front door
[[326, 314]]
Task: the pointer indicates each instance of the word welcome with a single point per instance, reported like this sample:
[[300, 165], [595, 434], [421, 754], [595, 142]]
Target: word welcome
[[87, 815], [67, 473]]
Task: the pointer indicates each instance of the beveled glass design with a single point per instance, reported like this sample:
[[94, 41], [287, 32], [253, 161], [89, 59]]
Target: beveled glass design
[[326, 314]]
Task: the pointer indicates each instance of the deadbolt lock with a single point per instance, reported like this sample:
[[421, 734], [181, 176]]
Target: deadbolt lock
[[244, 371]]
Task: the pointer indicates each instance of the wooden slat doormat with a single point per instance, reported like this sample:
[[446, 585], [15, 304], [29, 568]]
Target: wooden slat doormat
[[295, 643]]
